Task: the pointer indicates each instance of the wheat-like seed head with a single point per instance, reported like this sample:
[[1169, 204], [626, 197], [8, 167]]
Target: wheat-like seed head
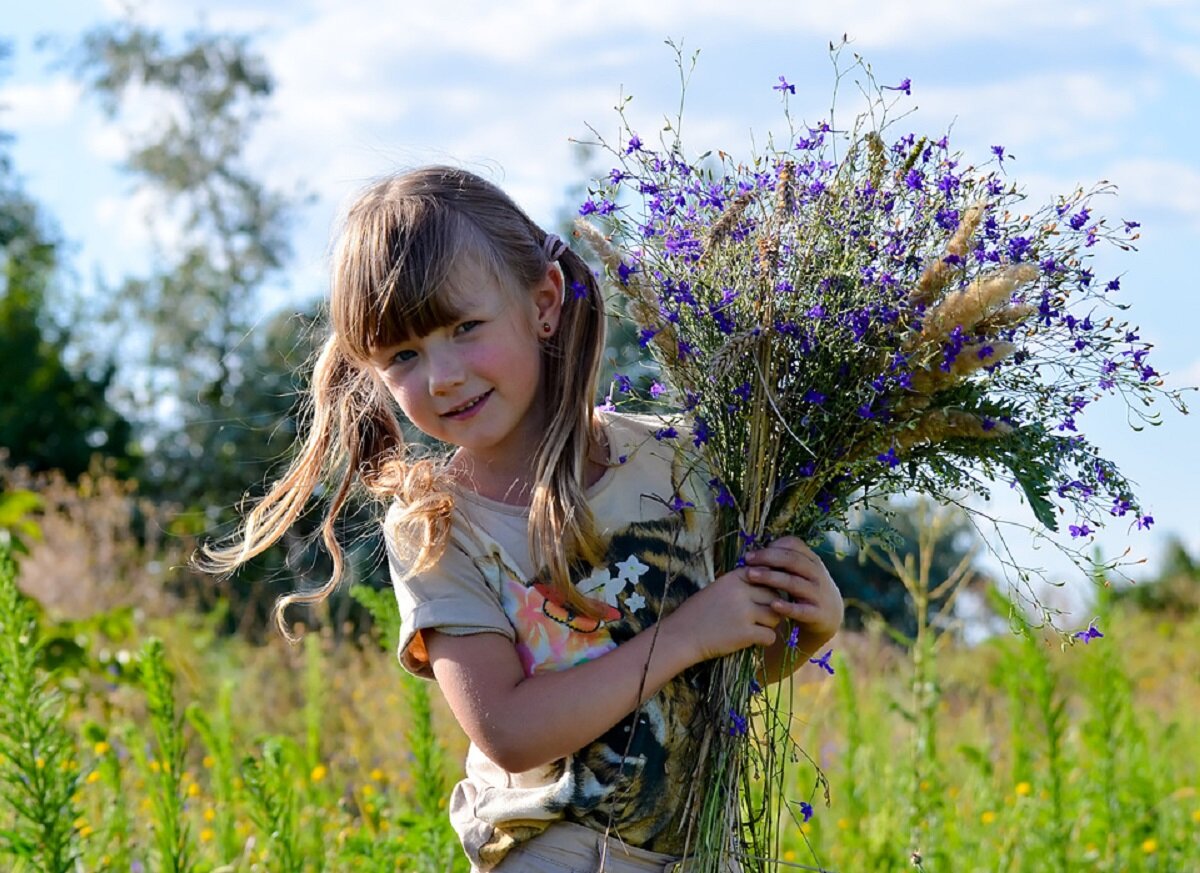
[[726, 223], [938, 425], [937, 275], [967, 307], [1005, 317], [641, 302]]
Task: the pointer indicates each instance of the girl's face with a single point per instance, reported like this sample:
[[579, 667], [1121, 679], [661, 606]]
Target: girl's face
[[476, 383]]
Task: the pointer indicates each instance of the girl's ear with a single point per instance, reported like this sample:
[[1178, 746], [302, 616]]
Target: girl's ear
[[548, 301]]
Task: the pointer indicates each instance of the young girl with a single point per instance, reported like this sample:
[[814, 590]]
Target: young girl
[[554, 570]]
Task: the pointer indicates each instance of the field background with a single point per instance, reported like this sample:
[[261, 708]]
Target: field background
[[209, 751]]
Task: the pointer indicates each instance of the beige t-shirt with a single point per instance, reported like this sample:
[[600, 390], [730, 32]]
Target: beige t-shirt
[[656, 517]]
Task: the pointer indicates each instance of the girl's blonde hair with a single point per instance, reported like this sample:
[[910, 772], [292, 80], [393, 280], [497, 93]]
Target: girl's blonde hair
[[393, 273]]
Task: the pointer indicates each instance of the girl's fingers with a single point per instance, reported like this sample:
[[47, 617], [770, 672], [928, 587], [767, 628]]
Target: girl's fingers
[[795, 585]]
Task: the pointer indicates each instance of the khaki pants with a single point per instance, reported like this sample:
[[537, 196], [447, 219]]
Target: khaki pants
[[566, 847]]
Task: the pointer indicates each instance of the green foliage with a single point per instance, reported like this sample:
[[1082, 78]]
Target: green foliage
[[427, 824], [216, 733], [39, 769], [165, 766], [270, 784], [16, 526]]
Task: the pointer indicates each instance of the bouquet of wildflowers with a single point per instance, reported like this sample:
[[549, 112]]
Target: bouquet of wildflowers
[[849, 314]]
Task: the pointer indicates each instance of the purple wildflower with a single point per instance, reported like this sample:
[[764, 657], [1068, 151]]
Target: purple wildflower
[[723, 498], [889, 457], [823, 662], [678, 504], [784, 86], [1092, 633], [1144, 522], [793, 639], [998, 151], [737, 724], [1080, 530], [806, 810], [905, 86], [635, 145]]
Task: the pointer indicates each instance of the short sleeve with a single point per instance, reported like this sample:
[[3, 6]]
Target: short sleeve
[[452, 597]]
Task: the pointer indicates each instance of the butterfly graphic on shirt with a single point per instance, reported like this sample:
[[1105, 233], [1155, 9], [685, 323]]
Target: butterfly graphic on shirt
[[556, 608]]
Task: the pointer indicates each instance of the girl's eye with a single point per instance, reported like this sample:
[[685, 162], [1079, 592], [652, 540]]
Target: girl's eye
[[403, 356], [467, 326]]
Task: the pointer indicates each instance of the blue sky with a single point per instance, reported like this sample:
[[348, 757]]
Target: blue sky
[[1075, 92]]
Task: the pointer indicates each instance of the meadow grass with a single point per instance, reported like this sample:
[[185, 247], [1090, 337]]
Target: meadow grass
[[176, 748]]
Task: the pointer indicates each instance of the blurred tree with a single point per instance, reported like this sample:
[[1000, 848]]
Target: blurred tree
[[1174, 591], [214, 378], [53, 416], [191, 353], [872, 590]]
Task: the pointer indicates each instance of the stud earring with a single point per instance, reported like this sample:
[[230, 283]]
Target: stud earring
[[546, 328]]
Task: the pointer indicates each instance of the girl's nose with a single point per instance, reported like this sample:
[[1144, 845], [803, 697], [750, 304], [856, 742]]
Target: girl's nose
[[445, 372]]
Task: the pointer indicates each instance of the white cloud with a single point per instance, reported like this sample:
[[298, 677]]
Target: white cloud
[[44, 104], [1155, 186], [1188, 377]]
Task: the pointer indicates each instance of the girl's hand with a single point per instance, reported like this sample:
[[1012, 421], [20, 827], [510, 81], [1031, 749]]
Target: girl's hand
[[803, 591], [726, 616]]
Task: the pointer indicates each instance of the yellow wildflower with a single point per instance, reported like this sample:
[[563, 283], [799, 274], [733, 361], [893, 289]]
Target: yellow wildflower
[[93, 777], [207, 834], [318, 773], [1023, 788], [101, 748], [209, 813], [1196, 815], [377, 775], [193, 789], [209, 762], [1150, 846], [988, 817]]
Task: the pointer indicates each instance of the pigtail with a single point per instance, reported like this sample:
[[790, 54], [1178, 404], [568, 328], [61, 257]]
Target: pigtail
[[561, 527]]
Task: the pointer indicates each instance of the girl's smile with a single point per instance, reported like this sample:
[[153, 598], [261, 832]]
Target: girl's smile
[[470, 408]]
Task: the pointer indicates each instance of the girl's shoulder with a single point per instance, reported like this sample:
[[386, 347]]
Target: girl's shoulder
[[632, 430]]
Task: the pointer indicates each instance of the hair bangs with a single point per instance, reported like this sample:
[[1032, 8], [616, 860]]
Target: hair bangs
[[398, 281]]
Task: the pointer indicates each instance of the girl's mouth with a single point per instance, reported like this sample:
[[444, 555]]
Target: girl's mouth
[[469, 408]]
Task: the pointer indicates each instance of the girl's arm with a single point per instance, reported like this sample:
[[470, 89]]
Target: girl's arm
[[522, 722]]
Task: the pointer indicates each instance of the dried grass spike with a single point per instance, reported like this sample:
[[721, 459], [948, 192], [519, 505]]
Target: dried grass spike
[[969, 306], [784, 199], [599, 243], [937, 275], [641, 302], [735, 347], [1006, 317], [726, 223], [944, 424]]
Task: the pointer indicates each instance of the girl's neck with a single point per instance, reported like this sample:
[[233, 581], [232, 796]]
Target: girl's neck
[[513, 484]]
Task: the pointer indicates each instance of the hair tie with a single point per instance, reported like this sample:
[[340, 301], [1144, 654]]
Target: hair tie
[[553, 247]]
